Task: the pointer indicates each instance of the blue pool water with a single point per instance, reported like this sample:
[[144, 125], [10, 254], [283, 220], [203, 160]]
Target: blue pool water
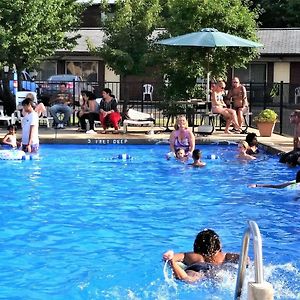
[[77, 224]]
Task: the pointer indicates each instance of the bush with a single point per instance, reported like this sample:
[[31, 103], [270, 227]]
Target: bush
[[266, 115]]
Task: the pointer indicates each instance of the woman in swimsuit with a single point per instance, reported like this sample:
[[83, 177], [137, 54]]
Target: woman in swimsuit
[[182, 137], [219, 107], [207, 255]]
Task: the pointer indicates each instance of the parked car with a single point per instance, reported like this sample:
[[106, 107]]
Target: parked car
[[74, 84]]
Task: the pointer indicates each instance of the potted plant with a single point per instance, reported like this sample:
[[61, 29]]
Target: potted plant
[[265, 122]]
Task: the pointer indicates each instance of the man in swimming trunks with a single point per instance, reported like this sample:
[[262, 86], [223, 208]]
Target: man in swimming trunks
[[206, 255], [238, 95]]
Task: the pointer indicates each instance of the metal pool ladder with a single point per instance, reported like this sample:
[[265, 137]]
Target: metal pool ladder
[[258, 290]]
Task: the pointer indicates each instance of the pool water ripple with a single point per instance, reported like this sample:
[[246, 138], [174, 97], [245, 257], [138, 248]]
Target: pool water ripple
[[80, 224]]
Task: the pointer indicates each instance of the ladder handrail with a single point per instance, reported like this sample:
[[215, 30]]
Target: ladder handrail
[[253, 230]]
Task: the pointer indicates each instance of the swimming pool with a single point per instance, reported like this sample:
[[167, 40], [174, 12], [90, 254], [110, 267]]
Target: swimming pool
[[78, 224]]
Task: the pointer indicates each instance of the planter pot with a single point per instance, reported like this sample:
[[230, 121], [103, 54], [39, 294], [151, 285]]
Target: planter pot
[[265, 128]]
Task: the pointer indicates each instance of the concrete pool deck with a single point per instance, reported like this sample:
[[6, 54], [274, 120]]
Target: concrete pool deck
[[136, 135]]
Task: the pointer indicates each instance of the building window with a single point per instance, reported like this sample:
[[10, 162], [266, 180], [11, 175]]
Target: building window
[[88, 70], [254, 72], [46, 69]]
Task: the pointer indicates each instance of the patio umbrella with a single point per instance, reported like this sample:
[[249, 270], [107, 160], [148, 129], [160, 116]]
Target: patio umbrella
[[209, 38]]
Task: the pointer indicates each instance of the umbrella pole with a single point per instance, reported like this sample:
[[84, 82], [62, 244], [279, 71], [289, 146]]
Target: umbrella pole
[[208, 78], [207, 87]]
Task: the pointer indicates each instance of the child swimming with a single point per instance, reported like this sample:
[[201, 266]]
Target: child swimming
[[197, 154]]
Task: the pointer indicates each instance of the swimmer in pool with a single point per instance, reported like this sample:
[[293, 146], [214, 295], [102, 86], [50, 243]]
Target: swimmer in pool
[[197, 154], [207, 254], [242, 149], [294, 184], [181, 155]]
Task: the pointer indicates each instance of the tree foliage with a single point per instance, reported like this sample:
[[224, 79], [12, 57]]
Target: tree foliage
[[31, 30], [127, 46], [278, 13], [184, 64]]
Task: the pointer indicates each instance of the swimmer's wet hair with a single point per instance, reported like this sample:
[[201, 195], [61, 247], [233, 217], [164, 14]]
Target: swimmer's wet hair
[[207, 243], [197, 154]]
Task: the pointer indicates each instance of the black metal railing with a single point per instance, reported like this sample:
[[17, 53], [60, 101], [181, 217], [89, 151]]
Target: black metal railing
[[278, 96]]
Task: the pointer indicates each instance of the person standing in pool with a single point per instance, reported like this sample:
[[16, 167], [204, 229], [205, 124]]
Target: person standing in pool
[[207, 254], [30, 128], [182, 137]]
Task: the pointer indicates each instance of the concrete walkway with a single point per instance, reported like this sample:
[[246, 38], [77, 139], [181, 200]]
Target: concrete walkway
[[136, 135]]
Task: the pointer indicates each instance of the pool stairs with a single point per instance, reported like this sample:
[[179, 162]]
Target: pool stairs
[[260, 289]]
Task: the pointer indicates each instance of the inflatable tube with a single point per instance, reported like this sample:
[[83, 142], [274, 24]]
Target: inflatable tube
[[124, 156], [13, 155], [212, 156]]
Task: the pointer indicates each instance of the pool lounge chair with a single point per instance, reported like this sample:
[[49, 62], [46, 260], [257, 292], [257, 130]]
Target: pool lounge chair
[[137, 118]]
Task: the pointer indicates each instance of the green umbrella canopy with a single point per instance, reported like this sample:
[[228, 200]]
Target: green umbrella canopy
[[209, 37]]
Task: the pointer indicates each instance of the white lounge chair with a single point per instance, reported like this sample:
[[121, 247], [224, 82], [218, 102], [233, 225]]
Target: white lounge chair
[[138, 118]]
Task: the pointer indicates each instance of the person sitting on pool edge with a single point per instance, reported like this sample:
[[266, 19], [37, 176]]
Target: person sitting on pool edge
[[294, 184], [207, 254]]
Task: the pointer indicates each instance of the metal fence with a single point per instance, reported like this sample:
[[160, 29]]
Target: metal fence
[[281, 97]]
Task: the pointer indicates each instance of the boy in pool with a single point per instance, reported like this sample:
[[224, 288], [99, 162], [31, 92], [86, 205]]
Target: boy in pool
[[206, 256], [197, 154], [10, 138]]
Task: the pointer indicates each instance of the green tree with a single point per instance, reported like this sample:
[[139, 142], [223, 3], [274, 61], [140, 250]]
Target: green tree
[[278, 13], [127, 47], [182, 65], [31, 30]]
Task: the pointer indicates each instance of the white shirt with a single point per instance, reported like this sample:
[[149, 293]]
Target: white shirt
[[29, 120]]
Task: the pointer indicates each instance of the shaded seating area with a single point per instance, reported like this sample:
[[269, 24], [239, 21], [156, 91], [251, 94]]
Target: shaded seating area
[[137, 118]]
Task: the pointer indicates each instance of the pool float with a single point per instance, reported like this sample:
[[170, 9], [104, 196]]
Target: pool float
[[212, 156], [124, 156], [14, 155]]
